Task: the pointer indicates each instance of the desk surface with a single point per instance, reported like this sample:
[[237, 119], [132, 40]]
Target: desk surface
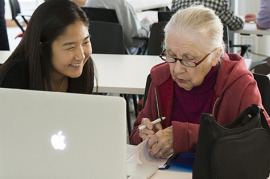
[[162, 174], [124, 74], [4, 56], [250, 28], [140, 5]]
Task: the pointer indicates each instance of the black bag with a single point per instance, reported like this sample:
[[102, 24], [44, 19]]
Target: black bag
[[239, 150]]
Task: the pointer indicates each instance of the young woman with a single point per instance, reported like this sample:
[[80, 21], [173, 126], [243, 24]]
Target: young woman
[[54, 53]]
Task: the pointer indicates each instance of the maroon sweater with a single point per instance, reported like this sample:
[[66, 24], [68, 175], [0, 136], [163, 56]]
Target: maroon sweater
[[235, 90], [189, 105]]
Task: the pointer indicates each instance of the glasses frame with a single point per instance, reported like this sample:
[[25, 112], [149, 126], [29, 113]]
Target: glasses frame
[[181, 60]]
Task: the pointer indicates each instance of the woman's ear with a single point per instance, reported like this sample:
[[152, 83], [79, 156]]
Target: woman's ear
[[218, 54]]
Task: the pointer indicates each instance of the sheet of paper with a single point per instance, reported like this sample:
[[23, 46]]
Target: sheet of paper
[[135, 170], [143, 156], [131, 157]]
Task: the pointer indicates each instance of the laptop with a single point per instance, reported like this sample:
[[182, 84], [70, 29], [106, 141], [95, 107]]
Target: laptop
[[61, 136]]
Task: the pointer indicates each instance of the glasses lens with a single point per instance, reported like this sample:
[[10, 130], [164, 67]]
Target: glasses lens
[[170, 59], [188, 63]]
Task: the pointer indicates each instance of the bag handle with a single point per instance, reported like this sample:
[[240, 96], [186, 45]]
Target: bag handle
[[264, 122]]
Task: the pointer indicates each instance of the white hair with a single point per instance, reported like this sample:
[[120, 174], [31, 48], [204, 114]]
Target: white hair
[[203, 21]]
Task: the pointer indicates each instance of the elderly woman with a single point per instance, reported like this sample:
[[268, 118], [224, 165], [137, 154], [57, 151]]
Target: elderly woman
[[197, 77]]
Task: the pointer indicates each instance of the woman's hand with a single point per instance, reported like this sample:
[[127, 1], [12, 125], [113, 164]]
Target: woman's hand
[[150, 129], [160, 145]]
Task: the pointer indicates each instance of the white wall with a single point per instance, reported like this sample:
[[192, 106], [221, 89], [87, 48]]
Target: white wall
[[248, 6]]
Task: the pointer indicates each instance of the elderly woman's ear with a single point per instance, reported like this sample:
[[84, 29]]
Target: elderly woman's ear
[[218, 54]]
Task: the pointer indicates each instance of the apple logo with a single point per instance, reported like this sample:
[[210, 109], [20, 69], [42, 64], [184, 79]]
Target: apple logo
[[57, 141]]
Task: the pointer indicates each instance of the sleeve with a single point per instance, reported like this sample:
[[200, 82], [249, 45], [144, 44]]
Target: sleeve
[[185, 136], [175, 5], [227, 17], [134, 137], [132, 27], [263, 17], [252, 96]]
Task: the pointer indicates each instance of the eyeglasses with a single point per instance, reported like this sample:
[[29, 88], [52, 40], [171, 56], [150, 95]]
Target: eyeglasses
[[185, 62]]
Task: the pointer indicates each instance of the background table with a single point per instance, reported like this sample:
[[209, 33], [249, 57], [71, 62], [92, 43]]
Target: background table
[[125, 74], [140, 5], [4, 56], [250, 28]]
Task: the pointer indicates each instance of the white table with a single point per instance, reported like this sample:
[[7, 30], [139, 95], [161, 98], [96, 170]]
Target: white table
[[4, 56], [162, 174], [140, 5], [250, 28], [124, 74]]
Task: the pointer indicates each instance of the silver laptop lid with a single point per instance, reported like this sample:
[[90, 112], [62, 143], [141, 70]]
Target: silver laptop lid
[[59, 135]]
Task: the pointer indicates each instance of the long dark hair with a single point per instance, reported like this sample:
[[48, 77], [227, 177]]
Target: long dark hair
[[49, 21]]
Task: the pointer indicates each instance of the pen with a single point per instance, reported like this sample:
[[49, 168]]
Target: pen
[[153, 122]]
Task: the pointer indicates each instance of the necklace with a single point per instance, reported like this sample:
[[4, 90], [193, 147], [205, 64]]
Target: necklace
[[60, 86]]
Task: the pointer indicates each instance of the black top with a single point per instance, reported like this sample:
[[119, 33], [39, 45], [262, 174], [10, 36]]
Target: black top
[[14, 74]]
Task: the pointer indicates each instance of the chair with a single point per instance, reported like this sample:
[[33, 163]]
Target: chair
[[142, 101], [106, 37], [101, 14], [263, 83], [147, 86], [156, 38], [164, 15], [229, 44], [260, 67], [226, 38], [16, 12], [244, 48]]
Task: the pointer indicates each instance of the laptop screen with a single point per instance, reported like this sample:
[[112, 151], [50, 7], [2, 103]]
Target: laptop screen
[[61, 135]]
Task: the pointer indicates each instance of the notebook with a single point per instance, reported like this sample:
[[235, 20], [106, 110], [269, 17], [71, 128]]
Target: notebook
[[60, 135]]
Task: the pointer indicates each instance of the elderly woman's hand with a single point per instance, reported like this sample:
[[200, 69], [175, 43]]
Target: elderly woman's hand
[[161, 144], [150, 129]]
